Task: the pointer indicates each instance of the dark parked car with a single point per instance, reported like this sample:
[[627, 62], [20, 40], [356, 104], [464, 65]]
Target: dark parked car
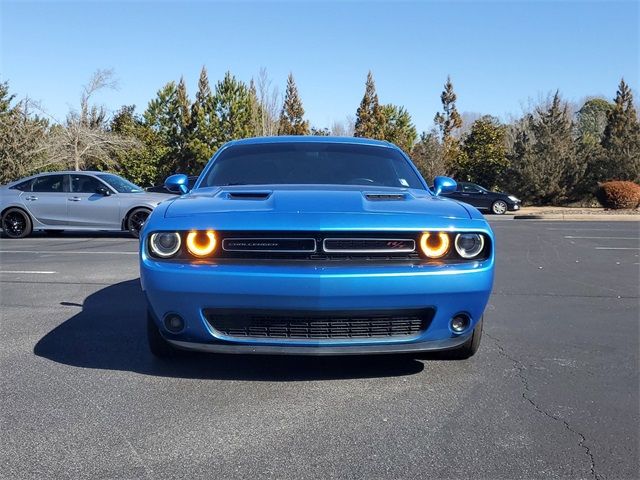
[[163, 189], [483, 199]]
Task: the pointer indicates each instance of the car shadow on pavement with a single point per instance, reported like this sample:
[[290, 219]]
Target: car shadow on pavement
[[110, 333]]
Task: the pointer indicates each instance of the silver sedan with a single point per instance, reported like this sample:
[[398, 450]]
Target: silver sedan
[[59, 201]]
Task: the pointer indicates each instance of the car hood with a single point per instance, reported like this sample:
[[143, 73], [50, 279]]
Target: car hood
[[314, 200]]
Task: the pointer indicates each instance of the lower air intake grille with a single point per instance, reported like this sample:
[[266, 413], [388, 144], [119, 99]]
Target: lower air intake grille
[[318, 326]]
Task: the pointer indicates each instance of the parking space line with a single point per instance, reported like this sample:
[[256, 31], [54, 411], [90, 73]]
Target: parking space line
[[617, 248], [605, 238], [40, 272], [592, 229], [68, 252]]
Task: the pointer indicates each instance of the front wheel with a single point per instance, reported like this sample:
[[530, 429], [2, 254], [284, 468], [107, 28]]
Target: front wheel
[[469, 348], [136, 219], [499, 207], [16, 223]]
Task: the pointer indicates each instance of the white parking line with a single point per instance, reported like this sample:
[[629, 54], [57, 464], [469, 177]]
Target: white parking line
[[617, 248], [27, 271], [606, 238], [592, 229], [63, 252]]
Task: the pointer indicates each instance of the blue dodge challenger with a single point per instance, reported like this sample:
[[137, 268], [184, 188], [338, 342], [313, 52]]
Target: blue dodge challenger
[[315, 245]]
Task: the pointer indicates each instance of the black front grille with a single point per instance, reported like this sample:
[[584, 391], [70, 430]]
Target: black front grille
[[317, 246], [318, 326]]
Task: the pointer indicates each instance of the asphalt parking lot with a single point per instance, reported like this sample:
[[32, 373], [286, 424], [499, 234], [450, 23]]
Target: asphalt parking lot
[[552, 393]]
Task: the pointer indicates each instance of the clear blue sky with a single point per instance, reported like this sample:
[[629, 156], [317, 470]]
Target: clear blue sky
[[500, 55]]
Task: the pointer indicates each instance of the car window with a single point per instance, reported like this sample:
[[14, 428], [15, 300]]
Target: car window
[[119, 184], [85, 184], [470, 188], [48, 183], [23, 186], [312, 163]]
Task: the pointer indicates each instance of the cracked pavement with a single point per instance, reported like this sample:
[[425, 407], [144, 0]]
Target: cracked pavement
[[553, 392]]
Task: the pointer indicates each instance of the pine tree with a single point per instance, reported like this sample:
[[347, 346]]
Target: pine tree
[[292, 114], [232, 102], [621, 139], [203, 139], [320, 132], [544, 167], [369, 116], [22, 139], [169, 114], [141, 163], [591, 120], [183, 109], [448, 121], [398, 127], [485, 153], [5, 98], [255, 111]]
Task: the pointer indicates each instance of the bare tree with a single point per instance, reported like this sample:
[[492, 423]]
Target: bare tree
[[22, 149], [338, 129], [344, 129], [269, 98], [84, 139], [428, 156]]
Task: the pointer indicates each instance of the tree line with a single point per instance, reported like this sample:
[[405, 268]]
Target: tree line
[[550, 155]]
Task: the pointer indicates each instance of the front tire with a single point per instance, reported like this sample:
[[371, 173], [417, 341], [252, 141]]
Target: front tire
[[499, 207], [16, 223], [159, 347], [469, 348], [136, 220]]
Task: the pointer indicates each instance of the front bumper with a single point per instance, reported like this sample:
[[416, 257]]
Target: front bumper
[[189, 289], [321, 349]]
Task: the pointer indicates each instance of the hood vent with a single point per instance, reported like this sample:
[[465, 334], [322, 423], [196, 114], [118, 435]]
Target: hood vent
[[248, 195], [385, 197]]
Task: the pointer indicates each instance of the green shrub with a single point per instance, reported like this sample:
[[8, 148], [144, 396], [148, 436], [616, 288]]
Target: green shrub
[[618, 194]]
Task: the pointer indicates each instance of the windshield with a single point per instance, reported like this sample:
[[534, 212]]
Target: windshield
[[119, 184], [311, 163]]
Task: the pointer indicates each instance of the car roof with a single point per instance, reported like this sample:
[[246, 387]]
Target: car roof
[[70, 172], [310, 139]]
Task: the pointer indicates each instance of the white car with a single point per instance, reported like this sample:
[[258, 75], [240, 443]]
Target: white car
[[58, 201]]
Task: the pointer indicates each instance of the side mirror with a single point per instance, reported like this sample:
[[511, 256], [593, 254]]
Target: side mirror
[[102, 190], [444, 185], [177, 183]]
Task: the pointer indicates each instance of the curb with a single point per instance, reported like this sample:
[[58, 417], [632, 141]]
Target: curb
[[584, 218]]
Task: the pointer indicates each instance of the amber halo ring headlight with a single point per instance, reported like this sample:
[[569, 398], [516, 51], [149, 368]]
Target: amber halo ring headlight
[[165, 244], [469, 245], [201, 243], [434, 244]]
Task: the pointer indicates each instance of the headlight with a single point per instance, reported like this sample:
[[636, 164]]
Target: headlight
[[434, 245], [201, 244], [469, 245], [514, 199], [165, 244]]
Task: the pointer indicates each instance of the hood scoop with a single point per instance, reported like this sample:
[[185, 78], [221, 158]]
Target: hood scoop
[[385, 197], [247, 195]]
